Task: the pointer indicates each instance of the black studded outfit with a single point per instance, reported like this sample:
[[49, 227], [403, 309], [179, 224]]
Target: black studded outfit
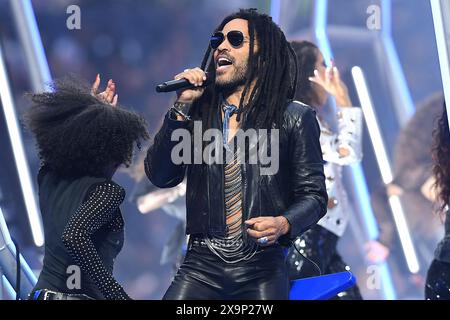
[[84, 232], [438, 277]]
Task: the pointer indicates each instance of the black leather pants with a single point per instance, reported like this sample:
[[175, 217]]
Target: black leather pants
[[203, 276]]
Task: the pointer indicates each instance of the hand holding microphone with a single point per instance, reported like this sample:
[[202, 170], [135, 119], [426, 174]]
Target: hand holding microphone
[[190, 85]]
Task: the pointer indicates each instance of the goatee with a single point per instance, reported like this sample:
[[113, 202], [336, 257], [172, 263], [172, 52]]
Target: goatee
[[231, 86]]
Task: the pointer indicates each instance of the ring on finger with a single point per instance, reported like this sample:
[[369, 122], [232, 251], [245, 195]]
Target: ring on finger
[[263, 240]]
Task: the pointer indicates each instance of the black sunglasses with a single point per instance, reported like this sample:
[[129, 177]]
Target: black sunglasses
[[235, 38]]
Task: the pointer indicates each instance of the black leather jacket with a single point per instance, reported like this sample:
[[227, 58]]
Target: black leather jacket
[[297, 191]]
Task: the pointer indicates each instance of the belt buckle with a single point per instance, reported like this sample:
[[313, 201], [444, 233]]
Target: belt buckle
[[47, 292]]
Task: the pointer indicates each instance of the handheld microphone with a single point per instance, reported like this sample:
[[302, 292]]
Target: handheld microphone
[[174, 85]]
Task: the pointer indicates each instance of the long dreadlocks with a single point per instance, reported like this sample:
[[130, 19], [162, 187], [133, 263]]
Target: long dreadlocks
[[441, 157], [274, 67]]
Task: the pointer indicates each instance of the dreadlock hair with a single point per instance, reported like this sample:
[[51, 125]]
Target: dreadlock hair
[[306, 53], [77, 134], [441, 158], [273, 66]]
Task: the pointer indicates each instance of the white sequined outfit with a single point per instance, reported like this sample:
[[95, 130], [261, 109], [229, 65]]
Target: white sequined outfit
[[349, 136]]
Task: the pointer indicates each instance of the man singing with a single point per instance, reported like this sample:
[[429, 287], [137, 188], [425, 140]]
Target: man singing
[[238, 216]]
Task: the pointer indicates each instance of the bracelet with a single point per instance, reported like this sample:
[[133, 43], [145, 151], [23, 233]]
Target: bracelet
[[182, 109]]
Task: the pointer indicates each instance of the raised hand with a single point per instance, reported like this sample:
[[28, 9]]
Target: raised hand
[[109, 95], [376, 252], [332, 83]]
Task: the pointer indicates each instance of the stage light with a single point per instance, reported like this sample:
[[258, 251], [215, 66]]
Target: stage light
[[385, 168], [372, 125], [19, 156], [8, 292], [402, 227], [438, 10], [401, 99]]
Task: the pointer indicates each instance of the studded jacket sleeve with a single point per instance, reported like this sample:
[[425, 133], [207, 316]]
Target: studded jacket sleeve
[[100, 209]]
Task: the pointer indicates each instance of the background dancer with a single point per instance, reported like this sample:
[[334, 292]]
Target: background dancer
[[340, 148], [82, 139]]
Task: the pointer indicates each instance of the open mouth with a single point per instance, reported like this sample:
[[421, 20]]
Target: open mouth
[[223, 63]]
